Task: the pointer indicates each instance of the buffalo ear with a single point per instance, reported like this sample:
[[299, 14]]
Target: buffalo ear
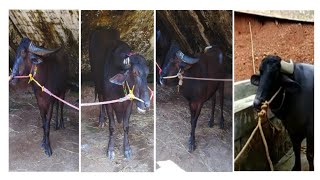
[[119, 78], [289, 84], [255, 80]]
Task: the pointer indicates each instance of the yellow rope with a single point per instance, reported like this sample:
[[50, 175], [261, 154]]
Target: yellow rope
[[32, 79], [130, 95]]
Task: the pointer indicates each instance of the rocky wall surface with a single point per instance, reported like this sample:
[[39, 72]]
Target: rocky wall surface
[[135, 27], [47, 28]]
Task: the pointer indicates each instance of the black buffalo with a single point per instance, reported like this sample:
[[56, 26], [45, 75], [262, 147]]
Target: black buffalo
[[294, 105], [50, 68], [210, 64], [113, 66]]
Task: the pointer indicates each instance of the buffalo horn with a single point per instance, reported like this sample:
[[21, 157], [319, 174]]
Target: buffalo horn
[[39, 50], [287, 67], [186, 59], [207, 48]]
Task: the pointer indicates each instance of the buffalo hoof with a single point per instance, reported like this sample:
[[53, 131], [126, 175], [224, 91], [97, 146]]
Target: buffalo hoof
[[56, 126], [111, 154], [102, 124], [221, 125], [47, 149], [62, 124], [210, 124], [128, 154], [296, 168], [192, 145]]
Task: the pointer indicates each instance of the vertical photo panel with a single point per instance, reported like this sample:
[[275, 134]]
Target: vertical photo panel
[[274, 90], [194, 91], [43, 90], [117, 119]]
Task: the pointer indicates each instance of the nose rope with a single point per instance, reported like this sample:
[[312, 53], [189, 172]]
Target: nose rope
[[130, 95], [275, 94], [160, 70], [151, 93], [174, 76]]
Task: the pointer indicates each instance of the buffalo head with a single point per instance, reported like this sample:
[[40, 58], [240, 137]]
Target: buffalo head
[[274, 73], [136, 76], [179, 62], [26, 55]]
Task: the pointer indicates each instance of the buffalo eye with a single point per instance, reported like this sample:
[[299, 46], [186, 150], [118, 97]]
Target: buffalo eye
[[23, 53]]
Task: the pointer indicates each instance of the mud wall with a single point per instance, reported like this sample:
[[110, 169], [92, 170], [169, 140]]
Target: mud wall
[[136, 28], [48, 28], [289, 39]]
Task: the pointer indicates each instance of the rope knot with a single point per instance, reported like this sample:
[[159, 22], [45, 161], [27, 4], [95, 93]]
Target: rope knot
[[263, 112], [130, 95], [30, 78]]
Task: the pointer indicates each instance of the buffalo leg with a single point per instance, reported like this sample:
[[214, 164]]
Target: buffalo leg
[[46, 128], [56, 123], [211, 122], [102, 113], [310, 150], [126, 145], [61, 112], [296, 143], [195, 109], [110, 151], [221, 95]]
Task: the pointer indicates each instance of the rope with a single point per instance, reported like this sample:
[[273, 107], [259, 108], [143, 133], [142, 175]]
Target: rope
[[31, 78], [206, 79], [160, 70], [180, 76], [48, 92], [127, 97], [151, 92], [262, 115]]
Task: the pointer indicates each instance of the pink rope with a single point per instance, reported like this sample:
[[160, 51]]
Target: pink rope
[[160, 70], [48, 92], [106, 102], [151, 92]]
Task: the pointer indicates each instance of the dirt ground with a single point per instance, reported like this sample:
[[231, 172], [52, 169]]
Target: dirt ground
[[94, 140], [287, 39], [214, 145], [25, 135]]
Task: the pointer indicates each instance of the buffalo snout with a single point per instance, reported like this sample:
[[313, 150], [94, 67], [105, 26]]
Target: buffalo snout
[[162, 83], [257, 104]]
